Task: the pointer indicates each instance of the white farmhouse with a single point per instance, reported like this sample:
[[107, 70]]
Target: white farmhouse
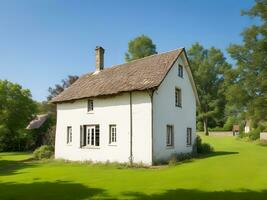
[[140, 111]]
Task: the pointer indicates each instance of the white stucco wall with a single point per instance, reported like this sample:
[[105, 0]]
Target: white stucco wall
[[165, 112], [111, 110], [247, 129]]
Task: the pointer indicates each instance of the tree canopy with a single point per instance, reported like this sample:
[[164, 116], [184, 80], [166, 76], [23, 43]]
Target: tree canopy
[[208, 68], [65, 83], [16, 110], [249, 91], [140, 47]]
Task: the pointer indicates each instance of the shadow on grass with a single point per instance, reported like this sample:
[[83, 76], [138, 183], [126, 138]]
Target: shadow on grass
[[219, 153], [183, 194], [49, 190], [11, 167]]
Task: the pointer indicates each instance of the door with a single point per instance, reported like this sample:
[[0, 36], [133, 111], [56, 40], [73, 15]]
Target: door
[[90, 136]]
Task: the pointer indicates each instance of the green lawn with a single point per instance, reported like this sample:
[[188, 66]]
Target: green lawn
[[237, 170]]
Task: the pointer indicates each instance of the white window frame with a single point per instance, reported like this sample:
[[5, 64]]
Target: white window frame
[[90, 105], [180, 71], [69, 135], [169, 135], [91, 133], [112, 134], [189, 136], [178, 97]]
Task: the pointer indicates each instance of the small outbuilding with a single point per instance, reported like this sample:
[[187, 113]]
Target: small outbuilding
[[236, 130], [37, 122]]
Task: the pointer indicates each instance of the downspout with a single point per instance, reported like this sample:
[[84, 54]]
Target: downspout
[[131, 130], [151, 92]]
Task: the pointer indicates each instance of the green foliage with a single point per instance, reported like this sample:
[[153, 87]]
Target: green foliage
[[218, 129], [228, 126], [248, 93], [44, 151], [140, 47], [58, 88], [209, 68], [254, 134], [202, 148], [16, 110]]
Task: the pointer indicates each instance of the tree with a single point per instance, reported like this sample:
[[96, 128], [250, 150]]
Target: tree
[[65, 83], [16, 110], [209, 67], [249, 91], [140, 47]]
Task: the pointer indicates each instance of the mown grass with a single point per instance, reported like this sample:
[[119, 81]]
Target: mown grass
[[236, 170]]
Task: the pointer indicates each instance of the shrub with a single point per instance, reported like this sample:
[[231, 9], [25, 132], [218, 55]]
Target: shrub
[[229, 123], [173, 160], [217, 128], [254, 134], [202, 148], [42, 152]]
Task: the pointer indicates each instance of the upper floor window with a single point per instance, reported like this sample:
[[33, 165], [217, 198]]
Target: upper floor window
[[69, 134], [180, 71], [189, 136], [178, 97], [112, 134], [169, 136], [90, 105]]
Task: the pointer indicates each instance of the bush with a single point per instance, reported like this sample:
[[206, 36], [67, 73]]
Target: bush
[[42, 152], [179, 158], [202, 148], [254, 134], [218, 129], [228, 126]]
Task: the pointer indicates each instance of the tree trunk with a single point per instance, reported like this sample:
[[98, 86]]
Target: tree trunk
[[205, 123]]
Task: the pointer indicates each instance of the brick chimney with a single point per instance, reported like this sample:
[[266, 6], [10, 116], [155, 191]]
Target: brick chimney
[[99, 58]]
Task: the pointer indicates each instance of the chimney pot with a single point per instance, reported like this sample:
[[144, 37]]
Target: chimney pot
[[99, 57]]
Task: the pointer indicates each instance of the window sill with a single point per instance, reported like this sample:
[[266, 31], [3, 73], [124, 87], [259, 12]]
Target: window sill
[[169, 147], [90, 112], [90, 147], [69, 144], [189, 145], [112, 145]]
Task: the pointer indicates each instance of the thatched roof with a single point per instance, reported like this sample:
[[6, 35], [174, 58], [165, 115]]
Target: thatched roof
[[141, 74], [37, 122]]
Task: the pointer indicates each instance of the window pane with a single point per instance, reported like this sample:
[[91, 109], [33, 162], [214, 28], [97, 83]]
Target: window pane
[[169, 136], [97, 135], [90, 105]]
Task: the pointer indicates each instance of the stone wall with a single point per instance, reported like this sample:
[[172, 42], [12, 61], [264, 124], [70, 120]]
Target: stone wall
[[263, 136], [221, 133]]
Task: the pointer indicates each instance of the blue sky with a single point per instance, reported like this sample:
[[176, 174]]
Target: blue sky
[[41, 42]]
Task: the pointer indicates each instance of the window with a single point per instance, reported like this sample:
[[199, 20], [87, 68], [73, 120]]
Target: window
[[90, 105], [178, 97], [169, 138], [112, 134], [69, 135], [90, 136], [189, 136], [180, 71]]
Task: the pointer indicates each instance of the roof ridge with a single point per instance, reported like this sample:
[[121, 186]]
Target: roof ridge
[[157, 54], [119, 65]]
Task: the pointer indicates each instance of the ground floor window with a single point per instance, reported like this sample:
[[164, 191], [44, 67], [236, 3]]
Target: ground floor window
[[69, 134], [90, 135], [189, 136], [112, 134], [169, 136]]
